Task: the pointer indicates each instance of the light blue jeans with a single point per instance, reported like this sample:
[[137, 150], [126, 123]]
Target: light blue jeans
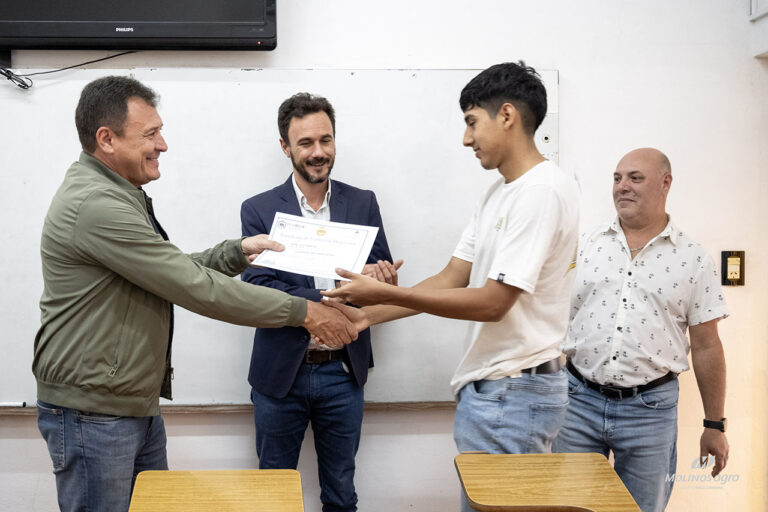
[[641, 432], [520, 415], [96, 457]]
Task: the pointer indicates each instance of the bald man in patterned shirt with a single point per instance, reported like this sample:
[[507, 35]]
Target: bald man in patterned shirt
[[640, 284]]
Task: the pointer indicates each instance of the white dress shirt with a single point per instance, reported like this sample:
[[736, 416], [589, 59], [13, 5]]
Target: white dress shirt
[[323, 213], [629, 317]]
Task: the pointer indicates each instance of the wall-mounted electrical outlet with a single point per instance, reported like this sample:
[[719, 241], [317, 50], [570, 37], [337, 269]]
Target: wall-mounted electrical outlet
[[732, 268]]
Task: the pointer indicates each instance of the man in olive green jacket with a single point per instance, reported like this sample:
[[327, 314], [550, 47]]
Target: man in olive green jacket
[[102, 354]]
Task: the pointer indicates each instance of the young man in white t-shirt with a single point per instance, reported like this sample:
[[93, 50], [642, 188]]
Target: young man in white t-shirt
[[510, 275]]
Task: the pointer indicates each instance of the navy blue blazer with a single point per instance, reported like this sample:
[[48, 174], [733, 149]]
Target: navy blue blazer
[[278, 353]]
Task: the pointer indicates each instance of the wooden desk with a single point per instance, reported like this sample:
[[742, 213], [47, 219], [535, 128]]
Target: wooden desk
[[558, 482], [269, 490]]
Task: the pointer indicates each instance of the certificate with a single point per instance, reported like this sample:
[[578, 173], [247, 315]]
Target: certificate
[[317, 248]]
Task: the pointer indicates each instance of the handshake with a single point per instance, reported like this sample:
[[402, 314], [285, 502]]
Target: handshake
[[335, 324], [331, 321]]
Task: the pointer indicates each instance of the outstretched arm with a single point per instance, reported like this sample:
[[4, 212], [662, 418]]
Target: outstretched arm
[[444, 294]]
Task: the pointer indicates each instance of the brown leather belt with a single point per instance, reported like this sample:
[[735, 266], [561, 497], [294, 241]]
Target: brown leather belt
[[323, 356], [552, 366]]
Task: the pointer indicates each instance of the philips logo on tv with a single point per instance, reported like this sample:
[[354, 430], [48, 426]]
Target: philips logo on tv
[[123, 29]]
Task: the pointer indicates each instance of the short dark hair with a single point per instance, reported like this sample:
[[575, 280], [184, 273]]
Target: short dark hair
[[508, 82], [104, 102], [300, 105]]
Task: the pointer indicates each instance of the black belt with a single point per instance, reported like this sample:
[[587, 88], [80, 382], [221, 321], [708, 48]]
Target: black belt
[[323, 356], [552, 366], [617, 392]]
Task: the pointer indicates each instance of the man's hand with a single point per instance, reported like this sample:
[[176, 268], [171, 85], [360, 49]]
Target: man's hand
[[383, 271], [360, 290], [252, 246], [328, 325], [714, 442], [357, 316]]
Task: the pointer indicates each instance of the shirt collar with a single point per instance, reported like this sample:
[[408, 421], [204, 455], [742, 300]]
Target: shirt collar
[[303, 200], [669, 232]]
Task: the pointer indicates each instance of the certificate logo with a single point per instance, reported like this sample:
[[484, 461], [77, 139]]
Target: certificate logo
[[321, 231]]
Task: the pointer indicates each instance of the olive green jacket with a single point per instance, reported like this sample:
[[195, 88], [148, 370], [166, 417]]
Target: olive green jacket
[[103, 345]]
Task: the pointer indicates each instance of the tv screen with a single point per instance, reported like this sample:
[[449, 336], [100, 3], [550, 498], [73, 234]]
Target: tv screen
[[139, 24]]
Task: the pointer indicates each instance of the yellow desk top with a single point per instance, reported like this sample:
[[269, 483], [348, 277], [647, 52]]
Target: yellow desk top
[[557, 482], [269, 490]]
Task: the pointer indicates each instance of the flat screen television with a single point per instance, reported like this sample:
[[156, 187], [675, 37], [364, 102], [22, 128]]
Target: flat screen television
[[138, 24]]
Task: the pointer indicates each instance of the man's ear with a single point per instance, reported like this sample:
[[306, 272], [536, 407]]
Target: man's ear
[[509, 115], [286, 149], [104, 139], [666, 183]]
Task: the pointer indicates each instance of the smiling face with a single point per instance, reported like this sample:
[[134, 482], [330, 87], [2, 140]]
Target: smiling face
[[311, 147], [486, 136], [640, 186], [134, 154]]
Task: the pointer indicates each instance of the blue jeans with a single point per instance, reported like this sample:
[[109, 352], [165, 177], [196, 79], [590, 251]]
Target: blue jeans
[[641, 431], [520, 415], [329, 397], [96, 457]]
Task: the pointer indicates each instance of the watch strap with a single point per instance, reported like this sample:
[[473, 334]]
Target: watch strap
[[717, 425]]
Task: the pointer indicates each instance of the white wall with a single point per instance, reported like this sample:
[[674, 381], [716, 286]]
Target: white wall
[[674, 74]]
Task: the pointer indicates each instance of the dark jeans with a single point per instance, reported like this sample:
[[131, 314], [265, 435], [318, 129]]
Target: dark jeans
[[96, 457], [329, 397]]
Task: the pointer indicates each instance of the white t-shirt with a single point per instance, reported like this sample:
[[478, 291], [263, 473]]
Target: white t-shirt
[[629, 316], [524, 234]]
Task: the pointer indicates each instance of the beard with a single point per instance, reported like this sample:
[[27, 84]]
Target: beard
[[302, 169]]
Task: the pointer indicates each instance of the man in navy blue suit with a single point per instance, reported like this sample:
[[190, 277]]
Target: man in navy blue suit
[[294, 378]]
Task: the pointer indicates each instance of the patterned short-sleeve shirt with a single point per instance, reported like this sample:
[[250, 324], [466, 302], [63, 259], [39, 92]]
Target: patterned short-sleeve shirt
[[629, 317]]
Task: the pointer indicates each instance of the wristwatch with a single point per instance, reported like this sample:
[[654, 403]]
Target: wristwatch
[[721, 425]]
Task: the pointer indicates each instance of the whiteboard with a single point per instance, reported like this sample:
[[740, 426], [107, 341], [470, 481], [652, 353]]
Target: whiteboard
[[398, 133]]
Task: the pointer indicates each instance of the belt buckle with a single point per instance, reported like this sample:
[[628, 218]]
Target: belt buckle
[[612, 392], [619, 393], [317, 356]]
